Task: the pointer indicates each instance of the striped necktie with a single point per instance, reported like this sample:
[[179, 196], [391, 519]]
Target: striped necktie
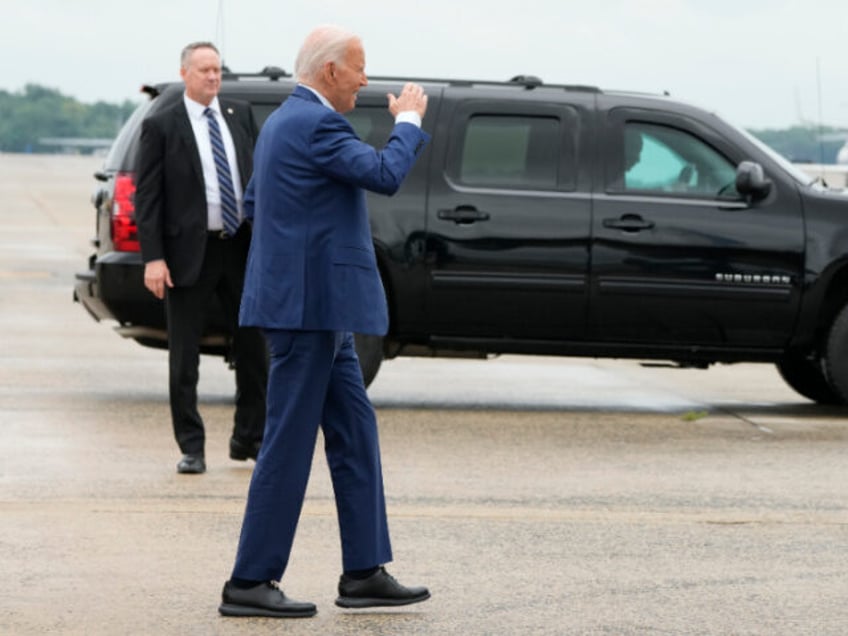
[[229, 209]]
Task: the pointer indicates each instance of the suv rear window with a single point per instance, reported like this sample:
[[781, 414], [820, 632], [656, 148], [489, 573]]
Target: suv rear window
[[122, 153]]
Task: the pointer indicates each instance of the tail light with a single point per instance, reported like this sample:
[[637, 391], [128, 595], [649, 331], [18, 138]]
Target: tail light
[[124, 229]]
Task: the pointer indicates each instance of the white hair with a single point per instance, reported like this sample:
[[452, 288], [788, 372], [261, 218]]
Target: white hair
[[185, 56], [327, 43]]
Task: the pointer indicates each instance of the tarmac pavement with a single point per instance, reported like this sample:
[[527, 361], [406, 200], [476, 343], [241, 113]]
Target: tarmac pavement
[[531, 495]]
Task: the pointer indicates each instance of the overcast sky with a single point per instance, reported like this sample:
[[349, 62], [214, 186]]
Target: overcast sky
[[759, 63]]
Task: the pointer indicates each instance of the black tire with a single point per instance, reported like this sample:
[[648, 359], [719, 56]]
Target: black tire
[[807, 376], [369, 350], [836, 356]]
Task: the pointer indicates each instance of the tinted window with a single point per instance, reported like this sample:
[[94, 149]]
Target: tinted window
[[261, 112], [372, 124], [665, 159], [120, 156], [510, 151]]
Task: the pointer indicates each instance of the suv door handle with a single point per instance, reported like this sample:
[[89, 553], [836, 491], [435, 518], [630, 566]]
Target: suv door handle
[[463, 214], [628, 223]]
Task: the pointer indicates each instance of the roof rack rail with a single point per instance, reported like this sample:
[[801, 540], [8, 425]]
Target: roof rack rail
[[271, 72], [528, 81], [149, 89]]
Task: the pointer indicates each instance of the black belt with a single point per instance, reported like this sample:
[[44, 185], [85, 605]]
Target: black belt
[[219, 234]]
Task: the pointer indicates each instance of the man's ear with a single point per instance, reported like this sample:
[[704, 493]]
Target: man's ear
[[330, 72]]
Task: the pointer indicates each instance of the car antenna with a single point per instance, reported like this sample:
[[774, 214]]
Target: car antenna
[[821, 127], [219, 29]]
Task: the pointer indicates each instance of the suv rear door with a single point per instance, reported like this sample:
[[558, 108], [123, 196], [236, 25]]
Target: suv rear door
[[508, 217], [678, 256]]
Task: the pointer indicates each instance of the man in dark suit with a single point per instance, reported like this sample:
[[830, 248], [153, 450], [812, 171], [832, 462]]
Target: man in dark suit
[[311, 281], [193, 159]]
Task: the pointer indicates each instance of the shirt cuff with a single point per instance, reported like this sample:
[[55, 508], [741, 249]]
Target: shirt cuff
[[408, 117]]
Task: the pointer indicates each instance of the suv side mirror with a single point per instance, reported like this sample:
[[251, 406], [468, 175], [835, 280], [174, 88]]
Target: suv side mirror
[[751, 181]]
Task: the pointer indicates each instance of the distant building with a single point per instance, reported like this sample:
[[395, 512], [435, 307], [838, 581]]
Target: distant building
[[836, 176], [842, 155], [76, 145]]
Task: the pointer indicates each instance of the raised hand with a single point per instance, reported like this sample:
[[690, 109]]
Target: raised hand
[[412, 97]]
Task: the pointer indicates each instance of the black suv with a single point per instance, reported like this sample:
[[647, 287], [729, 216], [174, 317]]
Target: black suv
[[559, 220]]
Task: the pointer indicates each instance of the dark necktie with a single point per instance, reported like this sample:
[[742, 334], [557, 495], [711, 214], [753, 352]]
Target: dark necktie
[[229, 209]]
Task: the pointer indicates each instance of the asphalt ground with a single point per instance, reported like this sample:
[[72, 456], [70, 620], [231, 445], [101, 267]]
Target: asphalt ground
[[531, 495]]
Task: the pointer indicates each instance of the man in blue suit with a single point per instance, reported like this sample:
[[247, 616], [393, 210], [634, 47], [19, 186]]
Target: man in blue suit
[[312, 281]]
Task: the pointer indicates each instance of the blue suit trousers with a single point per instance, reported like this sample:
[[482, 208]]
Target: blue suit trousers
[[314, 380]]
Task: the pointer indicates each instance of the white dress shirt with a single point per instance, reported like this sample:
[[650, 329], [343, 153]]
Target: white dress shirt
[[200, 126]]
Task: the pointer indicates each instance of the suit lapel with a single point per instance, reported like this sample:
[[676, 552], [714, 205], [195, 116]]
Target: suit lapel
[[239, 135], [184, 130]]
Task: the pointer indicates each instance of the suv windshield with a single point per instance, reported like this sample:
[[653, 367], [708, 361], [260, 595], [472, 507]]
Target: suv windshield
[[797, 174]]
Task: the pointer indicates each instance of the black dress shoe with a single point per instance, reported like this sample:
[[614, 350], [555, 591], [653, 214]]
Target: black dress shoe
[[378, 590], [191, 465], [241, 451], [265, 599]]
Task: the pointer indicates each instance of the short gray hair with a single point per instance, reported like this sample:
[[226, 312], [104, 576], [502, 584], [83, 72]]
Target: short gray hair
[[327, 43], [191, 48]]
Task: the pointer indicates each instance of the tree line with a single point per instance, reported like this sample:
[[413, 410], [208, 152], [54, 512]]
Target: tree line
[[38, 112], [805, 144]]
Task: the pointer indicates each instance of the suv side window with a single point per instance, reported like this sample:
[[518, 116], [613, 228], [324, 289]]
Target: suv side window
[[664, 159], [261, 112], [371, 124], [510, 151]]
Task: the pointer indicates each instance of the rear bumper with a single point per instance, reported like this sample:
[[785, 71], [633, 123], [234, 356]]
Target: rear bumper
[[112, 288], [84, 294]]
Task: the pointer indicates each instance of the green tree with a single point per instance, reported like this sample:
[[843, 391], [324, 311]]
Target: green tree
[[38, 112], [805, 144]]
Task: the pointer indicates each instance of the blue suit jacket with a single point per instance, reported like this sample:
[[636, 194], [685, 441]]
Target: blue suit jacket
[[311, 264]]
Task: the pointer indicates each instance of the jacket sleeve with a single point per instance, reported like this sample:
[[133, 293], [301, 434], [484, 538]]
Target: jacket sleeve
[[249, 200], [149, 193], [340, 154]]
